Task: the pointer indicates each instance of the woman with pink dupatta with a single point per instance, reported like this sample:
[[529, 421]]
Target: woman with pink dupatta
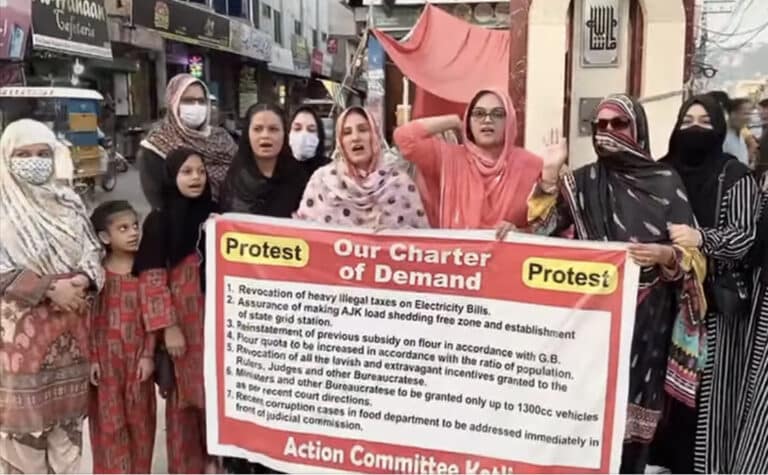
[[478, 184], [363, 186]]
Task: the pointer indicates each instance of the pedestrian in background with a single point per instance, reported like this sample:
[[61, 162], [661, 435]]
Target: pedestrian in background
[[123, 410], [186, 124], [363, 186], [168, 265], [50, 262], [480, 183], [264, 178], [738, 117], [307, 140], [723, 196], [626, 196]]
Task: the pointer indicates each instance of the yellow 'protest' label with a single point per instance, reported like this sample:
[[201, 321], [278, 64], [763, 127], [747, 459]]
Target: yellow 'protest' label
[[581, 277], [264, 250]]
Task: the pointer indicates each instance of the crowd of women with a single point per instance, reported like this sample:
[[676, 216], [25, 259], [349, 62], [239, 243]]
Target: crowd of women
[[97, 312]]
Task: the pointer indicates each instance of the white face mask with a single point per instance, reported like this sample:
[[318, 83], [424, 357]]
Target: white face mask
[[193, 115], [33, 170], [303, 144]]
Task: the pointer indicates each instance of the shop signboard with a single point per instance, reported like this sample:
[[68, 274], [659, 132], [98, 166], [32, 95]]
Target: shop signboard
[[15, 17], [76, 27], [250, 42], [301, 55], [183, 22]]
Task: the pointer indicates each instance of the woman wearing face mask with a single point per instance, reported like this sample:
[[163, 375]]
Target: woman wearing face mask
[[168, 266], [481, 183], [307, 140], [724, 197], [626, 196], [363, 187], [185, 125], [50, 262], [264, 178]]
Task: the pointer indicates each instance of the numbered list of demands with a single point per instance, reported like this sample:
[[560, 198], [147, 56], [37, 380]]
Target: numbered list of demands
[[489, 378]]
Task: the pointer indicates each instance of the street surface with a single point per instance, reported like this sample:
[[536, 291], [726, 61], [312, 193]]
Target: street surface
[[128, 188]]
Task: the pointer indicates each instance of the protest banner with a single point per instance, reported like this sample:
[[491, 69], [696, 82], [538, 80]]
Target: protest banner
[[422, 351]]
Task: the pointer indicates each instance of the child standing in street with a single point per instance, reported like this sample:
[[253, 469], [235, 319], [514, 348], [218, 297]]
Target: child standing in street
[[122, 409]]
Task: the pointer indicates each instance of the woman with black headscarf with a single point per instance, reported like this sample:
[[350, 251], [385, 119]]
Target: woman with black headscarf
[[264, 178], [724, 198], [626, 196], [752, 444], [307, 140], [170, 280]]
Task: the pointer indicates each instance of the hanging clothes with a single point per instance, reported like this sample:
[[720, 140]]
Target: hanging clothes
[[461, 185], [46, 238], [626, 196], [383, 197]]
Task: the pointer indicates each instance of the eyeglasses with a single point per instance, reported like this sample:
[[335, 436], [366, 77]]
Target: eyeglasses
[[481, 114], [617, 123]]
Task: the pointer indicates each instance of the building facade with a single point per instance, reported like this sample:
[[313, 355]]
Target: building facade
[[560, 65]]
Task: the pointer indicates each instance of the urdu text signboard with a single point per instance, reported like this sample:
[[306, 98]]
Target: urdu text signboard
[[331, 349], [76, 27]]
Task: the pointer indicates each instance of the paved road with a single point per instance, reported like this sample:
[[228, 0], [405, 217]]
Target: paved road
[[128, 188]]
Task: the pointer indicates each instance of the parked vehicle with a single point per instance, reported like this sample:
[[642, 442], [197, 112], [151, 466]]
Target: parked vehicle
[[72, 114]]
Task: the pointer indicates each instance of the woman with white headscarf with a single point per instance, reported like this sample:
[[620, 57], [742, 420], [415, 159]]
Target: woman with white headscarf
[[50, 262]]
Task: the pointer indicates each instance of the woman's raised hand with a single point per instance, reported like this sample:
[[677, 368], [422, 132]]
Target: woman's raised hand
[[555, 156]]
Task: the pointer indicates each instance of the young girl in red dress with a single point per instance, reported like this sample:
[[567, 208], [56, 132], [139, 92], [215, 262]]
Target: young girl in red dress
[[168, 267], [122, 409]]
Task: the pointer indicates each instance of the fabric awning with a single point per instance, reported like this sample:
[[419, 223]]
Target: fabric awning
[[450, 58]]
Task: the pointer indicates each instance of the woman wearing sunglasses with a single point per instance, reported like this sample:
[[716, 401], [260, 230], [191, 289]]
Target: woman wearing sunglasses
[[626, 196], [480, 183], [724, 198]]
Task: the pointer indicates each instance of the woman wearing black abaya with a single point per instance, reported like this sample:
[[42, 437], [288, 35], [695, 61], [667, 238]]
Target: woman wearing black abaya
[[264, 178], [752, 443], [723, 196], [626, 196]]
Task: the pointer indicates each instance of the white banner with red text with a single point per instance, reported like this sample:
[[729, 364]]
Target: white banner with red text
[[421, 351]]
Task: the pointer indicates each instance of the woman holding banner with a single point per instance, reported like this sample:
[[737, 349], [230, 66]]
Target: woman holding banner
[[628, 197], [480, 183], [363, 186]]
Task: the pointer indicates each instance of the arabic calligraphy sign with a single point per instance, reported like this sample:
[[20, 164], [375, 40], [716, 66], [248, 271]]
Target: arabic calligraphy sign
[[601, 26]]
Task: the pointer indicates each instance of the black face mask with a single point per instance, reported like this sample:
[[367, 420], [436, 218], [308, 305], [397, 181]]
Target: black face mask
[[698, 141]]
